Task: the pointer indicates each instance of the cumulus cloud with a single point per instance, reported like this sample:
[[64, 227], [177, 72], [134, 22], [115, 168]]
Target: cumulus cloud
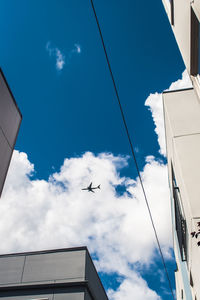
[[57, 213], [61, 59], [53, 213], [133, 287], [154, 102], [182, 83]]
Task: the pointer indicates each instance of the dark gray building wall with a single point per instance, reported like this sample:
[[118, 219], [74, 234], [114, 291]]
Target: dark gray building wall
[[10, 119], [55, 275], [57, 266], [49, 294], [23, 295], [92, 277], [87, 296]]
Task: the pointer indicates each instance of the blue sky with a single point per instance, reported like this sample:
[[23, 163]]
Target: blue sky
[[70, 108], [75, 110]]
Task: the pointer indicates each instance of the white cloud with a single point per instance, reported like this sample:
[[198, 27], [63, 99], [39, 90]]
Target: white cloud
[[77, 48], [40, 214], [133, 287], [57, 213], [61, 60], [154, 101], [182, 83]]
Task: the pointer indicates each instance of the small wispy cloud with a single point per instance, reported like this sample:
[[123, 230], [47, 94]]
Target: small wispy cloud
[[61, 59], [77, 48]]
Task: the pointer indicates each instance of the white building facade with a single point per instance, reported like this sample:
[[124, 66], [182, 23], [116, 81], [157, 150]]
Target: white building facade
[[182, 127]]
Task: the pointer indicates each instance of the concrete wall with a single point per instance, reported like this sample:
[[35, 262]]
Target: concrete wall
[[182, 125], [196, 6], [181, 27], [10, 119]]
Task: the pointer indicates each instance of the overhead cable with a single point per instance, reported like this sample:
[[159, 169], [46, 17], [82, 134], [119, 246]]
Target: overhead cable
[[132, 150]]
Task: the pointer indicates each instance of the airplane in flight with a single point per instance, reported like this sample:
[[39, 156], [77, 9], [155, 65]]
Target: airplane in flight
[[90, 188]]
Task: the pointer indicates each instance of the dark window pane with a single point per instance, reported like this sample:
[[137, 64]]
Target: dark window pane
[[180, 222]]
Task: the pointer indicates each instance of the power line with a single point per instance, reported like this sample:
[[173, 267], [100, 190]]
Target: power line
[[132, 149]]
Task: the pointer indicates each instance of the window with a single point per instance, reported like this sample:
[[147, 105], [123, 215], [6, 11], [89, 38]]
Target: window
[[181, 294], [172, 11], [180, 223], [195, 45], [40, 299], [191, 280], [170, 7]]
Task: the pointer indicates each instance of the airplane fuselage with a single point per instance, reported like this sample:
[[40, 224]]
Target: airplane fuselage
[[91, 189]]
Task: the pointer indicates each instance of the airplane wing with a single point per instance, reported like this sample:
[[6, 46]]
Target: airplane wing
[[90, 186]]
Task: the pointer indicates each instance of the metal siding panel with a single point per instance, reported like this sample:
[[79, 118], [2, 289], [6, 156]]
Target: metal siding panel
[[69, 296], [69, 293], [5, 156], [95, 284], [52, 266], [11, 269], [87, 296], [10, 117]]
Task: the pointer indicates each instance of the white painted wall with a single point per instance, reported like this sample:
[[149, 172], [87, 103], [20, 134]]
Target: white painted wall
[[181, 27], [182, 125]]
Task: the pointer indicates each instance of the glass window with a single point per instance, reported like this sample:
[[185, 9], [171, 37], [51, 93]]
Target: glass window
[[195, 44], [172, 11], [40, 299], [198, 47], [180, 222]]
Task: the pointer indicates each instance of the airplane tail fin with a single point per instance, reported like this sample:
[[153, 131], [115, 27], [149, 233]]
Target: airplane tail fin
[[99, 186]]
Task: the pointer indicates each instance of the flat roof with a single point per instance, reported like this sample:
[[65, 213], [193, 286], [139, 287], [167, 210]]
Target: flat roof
[[46, 251], [178, 90]]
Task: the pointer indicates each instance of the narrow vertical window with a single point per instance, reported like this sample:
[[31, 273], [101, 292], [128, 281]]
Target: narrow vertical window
[[172, 11], [181, 294], [180, 221], [195, 44]]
